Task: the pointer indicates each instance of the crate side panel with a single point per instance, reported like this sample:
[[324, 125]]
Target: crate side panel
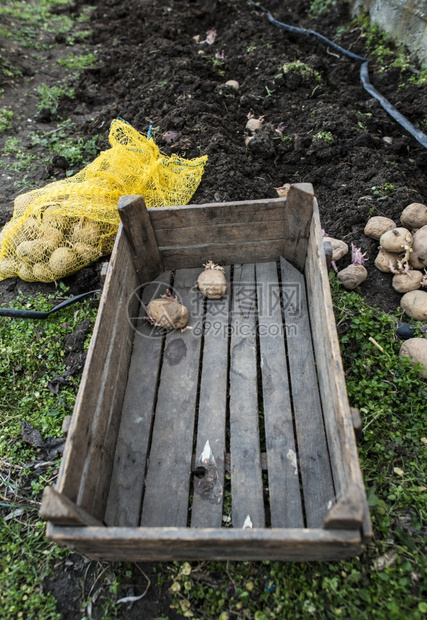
[[337, 413], [120, 282], [166, 544]]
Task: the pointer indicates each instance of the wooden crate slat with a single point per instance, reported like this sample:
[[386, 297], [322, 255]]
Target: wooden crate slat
[[283, 479], [166, 494], [206, 510], [164, 544], [127, 479], [333, 391], [221, 233], [246, 475], [188, 216], [222, 253], [96, 472], [313, 458], [120, 282]]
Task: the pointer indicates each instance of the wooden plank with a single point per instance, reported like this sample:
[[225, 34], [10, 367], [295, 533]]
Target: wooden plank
[[236, 232], [58, 509], [297, 217], [207, 503], [313, 458], [166, 495], [188, 216], [120, 282], [246, 474], [140, 235], [337, 415], [166, 544], [127, 479], [283, 479], [103, 434], [224, 254]]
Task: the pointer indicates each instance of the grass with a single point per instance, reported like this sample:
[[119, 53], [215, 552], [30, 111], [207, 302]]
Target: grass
[[389, 581]]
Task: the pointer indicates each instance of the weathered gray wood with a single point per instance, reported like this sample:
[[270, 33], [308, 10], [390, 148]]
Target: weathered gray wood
[[313, 458], [104, 431], [127, 479], [337, 415], [236, 232], [224, 254], [166, 495], [297, 218], [189, 216], [59, 510], [347, 513], [246, 475], [283, 479], [140, 235], [165, 544], [111, 332], [206, 508]]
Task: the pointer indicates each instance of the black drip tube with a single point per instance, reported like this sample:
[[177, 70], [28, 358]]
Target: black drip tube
[[364, 74], [35, 314]]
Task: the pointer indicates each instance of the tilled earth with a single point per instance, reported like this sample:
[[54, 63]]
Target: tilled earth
[[155, 68]]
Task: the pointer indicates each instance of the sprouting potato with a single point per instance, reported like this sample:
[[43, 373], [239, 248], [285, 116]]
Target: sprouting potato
[[212, 282], [167, 312]]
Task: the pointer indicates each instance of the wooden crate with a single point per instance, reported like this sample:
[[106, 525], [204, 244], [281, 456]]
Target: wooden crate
[[259, 377]]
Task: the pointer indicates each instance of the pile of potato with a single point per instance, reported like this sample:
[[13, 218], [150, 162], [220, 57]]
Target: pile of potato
[[48, 247], [403, 252]]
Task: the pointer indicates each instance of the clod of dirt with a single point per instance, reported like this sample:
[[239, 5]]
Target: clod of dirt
[[414, 305], [416, 349], [377, 226], [408, 281], [418, 256], [352, 276], [414, 216]]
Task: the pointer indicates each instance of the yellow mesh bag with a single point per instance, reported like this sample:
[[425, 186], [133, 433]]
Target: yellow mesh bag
[[57, 230]]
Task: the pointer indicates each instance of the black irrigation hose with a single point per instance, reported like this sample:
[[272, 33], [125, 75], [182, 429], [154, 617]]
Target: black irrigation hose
[[34, 314], [364, 74]]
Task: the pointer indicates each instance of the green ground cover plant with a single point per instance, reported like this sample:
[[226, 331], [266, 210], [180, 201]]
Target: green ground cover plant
[[387, 582]]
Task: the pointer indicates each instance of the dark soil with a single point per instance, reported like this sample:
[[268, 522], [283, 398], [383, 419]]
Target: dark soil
[[151, 71]]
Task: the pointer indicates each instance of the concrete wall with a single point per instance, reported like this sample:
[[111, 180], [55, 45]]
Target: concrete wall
[[404, 20]]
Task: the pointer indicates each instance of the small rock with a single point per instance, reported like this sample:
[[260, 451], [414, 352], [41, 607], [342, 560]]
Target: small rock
[[408, 281], [405, 331], [414, 215], [416, 349], [352, 276], [377, 226], [414, 305], [339, 248], [233, 84]]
